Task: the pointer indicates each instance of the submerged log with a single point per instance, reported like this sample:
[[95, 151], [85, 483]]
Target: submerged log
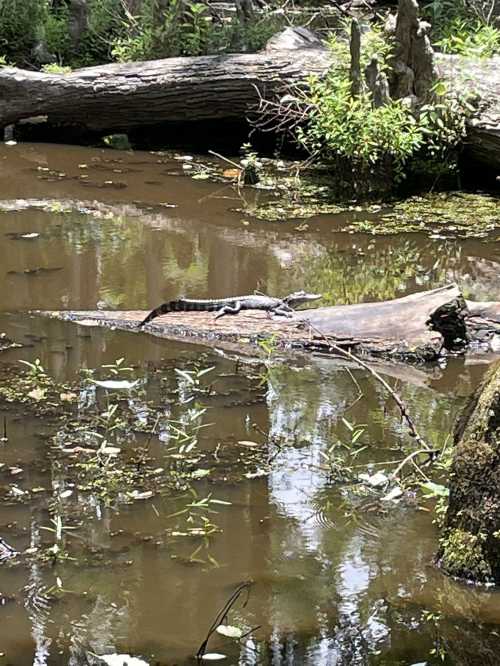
[[470, 543], [134, 96], [413, 328]]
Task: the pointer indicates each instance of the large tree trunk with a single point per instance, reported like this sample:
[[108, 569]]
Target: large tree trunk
[[124, 97], [470, 544]]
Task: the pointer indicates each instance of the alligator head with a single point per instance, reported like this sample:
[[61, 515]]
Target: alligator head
[[299, 298]]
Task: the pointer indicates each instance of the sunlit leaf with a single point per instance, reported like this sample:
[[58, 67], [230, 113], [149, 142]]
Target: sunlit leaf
[[213, 656], [37, 394], [432, 489], [185, 375], [122, 660], [115, 384], [229, 631]]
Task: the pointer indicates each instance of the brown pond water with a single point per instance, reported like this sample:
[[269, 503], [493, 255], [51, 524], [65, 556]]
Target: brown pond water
[[338, 576]]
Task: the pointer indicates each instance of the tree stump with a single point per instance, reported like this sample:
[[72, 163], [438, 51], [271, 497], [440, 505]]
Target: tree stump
[[414, 69], [470, 543]]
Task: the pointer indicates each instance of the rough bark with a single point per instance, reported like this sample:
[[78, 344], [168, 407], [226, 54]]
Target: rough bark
[[412, 328], [414, 68], [120, 98], [470, 544], [355, 49], [377, 84]]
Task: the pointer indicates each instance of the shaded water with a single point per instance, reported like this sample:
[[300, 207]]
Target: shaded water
[[337, 580]]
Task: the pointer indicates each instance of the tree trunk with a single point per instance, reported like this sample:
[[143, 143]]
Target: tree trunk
[[123, 97], [470, 543]]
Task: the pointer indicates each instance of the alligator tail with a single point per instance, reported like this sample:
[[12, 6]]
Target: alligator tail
[[162, 309]]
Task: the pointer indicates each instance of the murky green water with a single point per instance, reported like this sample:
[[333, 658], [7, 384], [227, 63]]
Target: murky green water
[[338, 577]]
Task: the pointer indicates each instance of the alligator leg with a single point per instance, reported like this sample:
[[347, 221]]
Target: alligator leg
[[282, 311], [228, 309]]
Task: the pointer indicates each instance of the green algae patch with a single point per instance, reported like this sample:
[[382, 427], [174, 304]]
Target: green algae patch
[[440, 215], [294, 198]]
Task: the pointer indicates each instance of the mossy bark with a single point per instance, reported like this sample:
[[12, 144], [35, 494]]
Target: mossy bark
[[470, 543]]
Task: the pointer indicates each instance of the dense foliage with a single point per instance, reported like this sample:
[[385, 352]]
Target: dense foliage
[[375, 147], [110, 32], [465, 27]]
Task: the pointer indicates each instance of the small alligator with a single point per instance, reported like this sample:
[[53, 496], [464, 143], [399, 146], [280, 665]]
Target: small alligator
[[223, 306]]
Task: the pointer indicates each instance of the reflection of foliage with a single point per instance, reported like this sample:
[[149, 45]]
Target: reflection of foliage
[[119, 241], [370, 270], [189, 279]]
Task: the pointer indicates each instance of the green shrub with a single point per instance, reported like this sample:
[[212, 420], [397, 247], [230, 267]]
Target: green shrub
[[465, 27], [372, 147], [21, 25], [477, 40], [56, 32]]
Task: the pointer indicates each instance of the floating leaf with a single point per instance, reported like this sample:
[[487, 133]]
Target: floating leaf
[[185, 375], [37, 394], [68, 397], [135, 494], [229, 631], [394, 494], [110, 450], [245, 442], [213, 656], [122, 660], [255, 475], [115, 384], [375, 480], [200, 473], [231, 173]]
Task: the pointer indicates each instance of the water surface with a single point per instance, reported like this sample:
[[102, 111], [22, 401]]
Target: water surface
[[336, 580]]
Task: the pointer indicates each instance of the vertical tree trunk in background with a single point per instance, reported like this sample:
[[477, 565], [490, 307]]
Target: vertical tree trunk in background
[[470, 543], [78, 21], [355, 47]]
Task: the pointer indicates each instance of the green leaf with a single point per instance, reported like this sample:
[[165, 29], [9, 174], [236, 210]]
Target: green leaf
[[432, 489]]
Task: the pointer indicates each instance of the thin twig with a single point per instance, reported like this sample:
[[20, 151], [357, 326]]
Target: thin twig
[[399, 402], [410, 458], [243, 587], [225, 159]]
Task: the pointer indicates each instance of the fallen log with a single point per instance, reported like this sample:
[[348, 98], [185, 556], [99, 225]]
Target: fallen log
[[413, 328], [470, 541], [126, 97]]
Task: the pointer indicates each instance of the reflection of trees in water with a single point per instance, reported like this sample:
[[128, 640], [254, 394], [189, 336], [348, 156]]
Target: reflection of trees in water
[[364, 269], [350, 587]]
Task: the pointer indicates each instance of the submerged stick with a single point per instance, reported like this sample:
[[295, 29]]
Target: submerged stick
[[243, 587], [399, 402]]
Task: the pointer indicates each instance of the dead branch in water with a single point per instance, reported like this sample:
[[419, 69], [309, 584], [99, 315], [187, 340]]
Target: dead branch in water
[[397, 399]]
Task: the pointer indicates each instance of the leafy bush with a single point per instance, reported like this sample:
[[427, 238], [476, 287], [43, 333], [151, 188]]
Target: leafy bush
[[369, 147], [346, 129], [188, 29], [477, 39], [21, 25], [465, 27], [56, 32]]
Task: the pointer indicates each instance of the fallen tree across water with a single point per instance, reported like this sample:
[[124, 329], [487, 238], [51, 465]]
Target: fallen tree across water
[[126, 97], [470, 544], [413, 328]]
